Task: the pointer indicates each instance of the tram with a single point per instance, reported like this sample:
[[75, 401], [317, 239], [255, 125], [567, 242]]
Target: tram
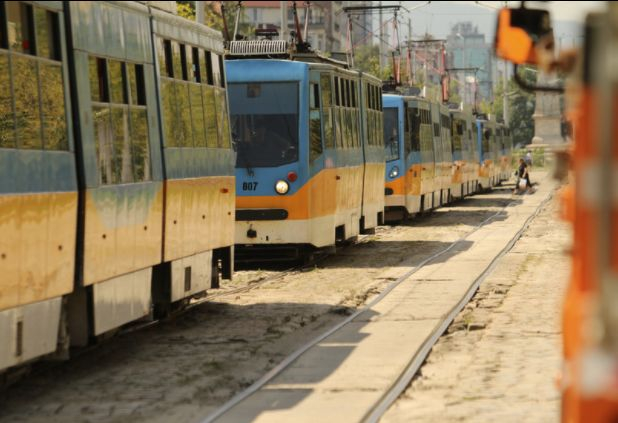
[[310, 154], [117, 187]]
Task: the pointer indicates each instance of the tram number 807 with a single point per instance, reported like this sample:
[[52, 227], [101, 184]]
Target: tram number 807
[[249, 186]]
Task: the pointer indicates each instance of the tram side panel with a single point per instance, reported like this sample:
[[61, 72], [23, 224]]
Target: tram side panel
[[450, 186], [121, 164], [371, 124], [347, 157], [197, 155], [38, 181]]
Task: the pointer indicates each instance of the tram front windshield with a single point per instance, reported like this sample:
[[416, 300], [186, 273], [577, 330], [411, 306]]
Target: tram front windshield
[[391, 133], [264, 120]]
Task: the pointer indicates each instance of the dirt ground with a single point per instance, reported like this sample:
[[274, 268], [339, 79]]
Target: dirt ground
[[182, 369], [500, 358]]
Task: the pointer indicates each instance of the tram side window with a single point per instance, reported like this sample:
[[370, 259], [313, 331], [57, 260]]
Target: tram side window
[[195, 75], [436, 129], [315, 123], [216, 69], [169, 58], [20, 24], [120, 121], [336, 91], [32, 107], [47, 34], [325, 85], [415, 129]]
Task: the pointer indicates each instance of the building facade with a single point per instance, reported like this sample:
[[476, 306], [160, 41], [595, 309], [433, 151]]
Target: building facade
[[467, 48]]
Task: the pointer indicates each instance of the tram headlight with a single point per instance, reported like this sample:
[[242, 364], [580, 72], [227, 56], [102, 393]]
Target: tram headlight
[[394, 172], [282, 187]]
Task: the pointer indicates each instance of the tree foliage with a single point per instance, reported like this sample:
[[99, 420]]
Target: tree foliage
[[367, 59], [521, 105]]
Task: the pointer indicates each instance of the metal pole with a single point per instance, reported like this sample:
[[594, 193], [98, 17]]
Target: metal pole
[[307, 16], [237, 19], [505, 100], [381, 38], [283, 32], [199, 12]]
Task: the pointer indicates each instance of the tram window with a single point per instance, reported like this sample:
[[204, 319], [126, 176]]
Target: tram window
[[208, 96], [139, 143], [216, 68], [208, 68], [325, 85], [348, 92], [122, 162], [169, 58], [98, 79], [314, 96], [137, 86], [342, 97], [315, 123], [223, 128], [197, 116], [168, 102], [177, 61], [3, 35], [53, 107], [391, 133], [183, 63], [117, 86], [221, 72], [20, 27], [266, 129], [47, 34], [415, 129], [354, 94], [7, 119], [336, 91], [380, 106], [183, 119], [27, 116], [103, 142], [436, 129], [195, 65]]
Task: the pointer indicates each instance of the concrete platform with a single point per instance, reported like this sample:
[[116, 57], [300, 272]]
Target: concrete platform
[[341, 378]]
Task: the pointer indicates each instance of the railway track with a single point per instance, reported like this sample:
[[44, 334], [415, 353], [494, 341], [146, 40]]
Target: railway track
[[240, 405]]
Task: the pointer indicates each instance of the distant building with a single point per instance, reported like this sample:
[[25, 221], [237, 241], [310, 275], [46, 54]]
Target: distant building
[[467, 48]]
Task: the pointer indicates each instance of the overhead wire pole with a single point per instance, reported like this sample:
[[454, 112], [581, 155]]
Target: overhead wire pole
[[199, 12], [362, 10], [283, 32]]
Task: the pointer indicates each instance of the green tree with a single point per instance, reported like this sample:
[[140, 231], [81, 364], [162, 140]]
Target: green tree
[[186, 9], [521, 109], [367, 59]]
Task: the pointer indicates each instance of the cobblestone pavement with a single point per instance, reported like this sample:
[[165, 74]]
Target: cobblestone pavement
[[499, 359], [181, 370]]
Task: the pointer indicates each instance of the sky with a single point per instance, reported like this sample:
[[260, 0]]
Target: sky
[[437, 17]]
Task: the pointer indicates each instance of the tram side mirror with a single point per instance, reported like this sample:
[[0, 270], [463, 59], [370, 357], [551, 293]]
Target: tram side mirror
[[523, 34]]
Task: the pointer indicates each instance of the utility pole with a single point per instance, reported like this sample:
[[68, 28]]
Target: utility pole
[[199, 12], [283, 32], [381, 37], [505, 100]]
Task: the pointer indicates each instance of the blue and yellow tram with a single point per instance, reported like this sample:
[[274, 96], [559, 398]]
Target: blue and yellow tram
[[487, 153], [464, 152], [505, 148], [310, 156], [112, 200], [409, 173]]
